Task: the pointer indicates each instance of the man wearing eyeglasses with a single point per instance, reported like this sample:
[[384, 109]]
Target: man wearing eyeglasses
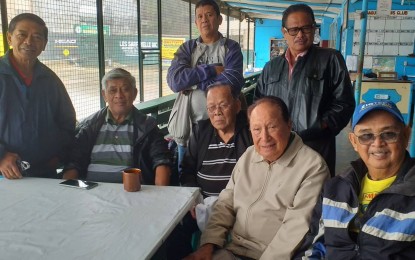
[[214, 147], [368, 212], [312, 81]]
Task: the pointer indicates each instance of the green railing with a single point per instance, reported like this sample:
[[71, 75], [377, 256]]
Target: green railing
[[160, 108]]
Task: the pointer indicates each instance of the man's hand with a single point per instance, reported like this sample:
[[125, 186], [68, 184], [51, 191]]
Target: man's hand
[[70, 174], [205, 252], [219, 69], [8, 166]]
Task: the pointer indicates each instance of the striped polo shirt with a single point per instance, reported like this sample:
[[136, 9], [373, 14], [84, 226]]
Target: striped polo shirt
[[113, 150], [217, 166]]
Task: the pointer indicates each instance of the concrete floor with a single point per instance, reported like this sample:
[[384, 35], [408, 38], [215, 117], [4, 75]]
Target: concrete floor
[[344, 150]]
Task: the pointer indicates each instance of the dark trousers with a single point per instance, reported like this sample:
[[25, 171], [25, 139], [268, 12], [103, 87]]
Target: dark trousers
[[179, 243]]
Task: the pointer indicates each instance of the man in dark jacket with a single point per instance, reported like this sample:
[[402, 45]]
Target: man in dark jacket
[[119, 137], [217, 143], [368, 212], [215, 146], [312, 81], [37, 118]]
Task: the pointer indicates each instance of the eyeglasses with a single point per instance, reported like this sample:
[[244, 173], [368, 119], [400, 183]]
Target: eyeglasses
[[221, 107], [387, 137], [295, 30]]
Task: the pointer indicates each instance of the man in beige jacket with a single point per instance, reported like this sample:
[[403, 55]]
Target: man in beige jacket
[[267, 204]]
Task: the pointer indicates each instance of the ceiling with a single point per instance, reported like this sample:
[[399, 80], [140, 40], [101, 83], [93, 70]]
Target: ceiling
[[272, 9]]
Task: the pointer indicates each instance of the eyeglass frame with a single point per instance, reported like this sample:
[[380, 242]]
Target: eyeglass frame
[[222, 107], [381, 135], [300, 29]]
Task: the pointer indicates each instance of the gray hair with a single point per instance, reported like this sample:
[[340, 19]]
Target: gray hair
[[118, 73]]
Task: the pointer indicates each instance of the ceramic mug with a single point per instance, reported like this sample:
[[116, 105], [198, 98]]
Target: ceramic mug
[[131, 178]]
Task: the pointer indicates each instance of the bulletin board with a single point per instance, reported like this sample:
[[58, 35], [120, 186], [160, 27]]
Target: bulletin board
[[392, 35], [277, 47]]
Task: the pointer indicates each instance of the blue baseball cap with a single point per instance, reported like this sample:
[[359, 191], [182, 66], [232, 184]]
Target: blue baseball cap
[[364, 108]]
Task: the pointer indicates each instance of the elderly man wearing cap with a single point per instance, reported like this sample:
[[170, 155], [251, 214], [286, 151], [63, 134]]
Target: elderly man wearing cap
[[369, 211]]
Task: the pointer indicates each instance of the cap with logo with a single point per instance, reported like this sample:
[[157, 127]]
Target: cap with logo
[[364, 108]]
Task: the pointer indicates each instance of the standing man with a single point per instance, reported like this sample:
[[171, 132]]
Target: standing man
[[200, 62], [312, 81], [37, 119], [368, 211]]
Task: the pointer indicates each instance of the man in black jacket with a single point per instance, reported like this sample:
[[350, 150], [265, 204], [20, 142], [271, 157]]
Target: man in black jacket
[[215, 146], [119, 137], [312, 81]]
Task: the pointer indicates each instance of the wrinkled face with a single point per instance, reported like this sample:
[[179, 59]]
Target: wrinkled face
[[270, 132], [380, 156], [28, 40], [119, 95], [207, 21], [222, 108], [302, 41]]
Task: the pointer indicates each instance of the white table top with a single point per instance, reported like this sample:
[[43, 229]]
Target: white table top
[[40, 219]]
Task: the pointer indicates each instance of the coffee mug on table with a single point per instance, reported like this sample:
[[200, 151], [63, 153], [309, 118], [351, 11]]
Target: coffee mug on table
[[131, 178]]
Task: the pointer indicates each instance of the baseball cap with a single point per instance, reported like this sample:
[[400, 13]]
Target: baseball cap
[[364, 108]]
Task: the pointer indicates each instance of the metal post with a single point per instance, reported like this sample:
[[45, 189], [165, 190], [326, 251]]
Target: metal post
[[358, 84], [227, 21], [412, 141], [247, 45], [101, 54], [4, 24], [140, 53], [239, 33], [190, 19], [160, 31]]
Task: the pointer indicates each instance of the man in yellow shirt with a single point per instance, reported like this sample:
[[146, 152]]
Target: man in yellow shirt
[[369, 211]]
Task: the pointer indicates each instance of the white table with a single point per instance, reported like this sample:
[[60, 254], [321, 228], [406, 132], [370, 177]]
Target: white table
[[40, 219]]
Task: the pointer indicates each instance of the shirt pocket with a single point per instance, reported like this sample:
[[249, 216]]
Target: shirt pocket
[[315, 81]]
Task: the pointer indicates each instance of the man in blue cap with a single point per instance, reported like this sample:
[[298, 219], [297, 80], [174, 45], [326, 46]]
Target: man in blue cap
[[368, 212]]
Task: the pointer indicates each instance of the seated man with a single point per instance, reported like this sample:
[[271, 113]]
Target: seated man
[[267, 204], [216, 144], [119, 137], [214, 147], [368, 211]]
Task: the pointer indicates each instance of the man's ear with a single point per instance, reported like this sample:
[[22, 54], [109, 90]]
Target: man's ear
[[353, 140], [220, 19], [103, 95], [407, 135]]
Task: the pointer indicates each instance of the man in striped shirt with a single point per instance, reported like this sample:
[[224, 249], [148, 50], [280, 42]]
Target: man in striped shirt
[[214, 147], [216, 144], [118, 137]]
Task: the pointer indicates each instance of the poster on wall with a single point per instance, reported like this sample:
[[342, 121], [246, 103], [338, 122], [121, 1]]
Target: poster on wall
[[277, 47]]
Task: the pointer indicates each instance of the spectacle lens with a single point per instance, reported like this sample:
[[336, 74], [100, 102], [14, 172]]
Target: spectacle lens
[[222, 107], [387, 137], [295, 30]]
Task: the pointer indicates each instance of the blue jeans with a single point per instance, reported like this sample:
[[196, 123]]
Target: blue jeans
[[180, 154]]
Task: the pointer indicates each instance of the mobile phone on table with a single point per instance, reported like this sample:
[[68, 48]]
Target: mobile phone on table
[[80, 184]]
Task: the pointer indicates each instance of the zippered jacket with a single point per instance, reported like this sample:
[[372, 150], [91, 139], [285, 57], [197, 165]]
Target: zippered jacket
[[386, 229], [182, 75], [149, 148], [199, 143], [38, 121], [319, 90], [265, 207]]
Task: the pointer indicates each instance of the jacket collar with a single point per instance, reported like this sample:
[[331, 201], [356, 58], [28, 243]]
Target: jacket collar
[[221, 39], [405, 179]]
